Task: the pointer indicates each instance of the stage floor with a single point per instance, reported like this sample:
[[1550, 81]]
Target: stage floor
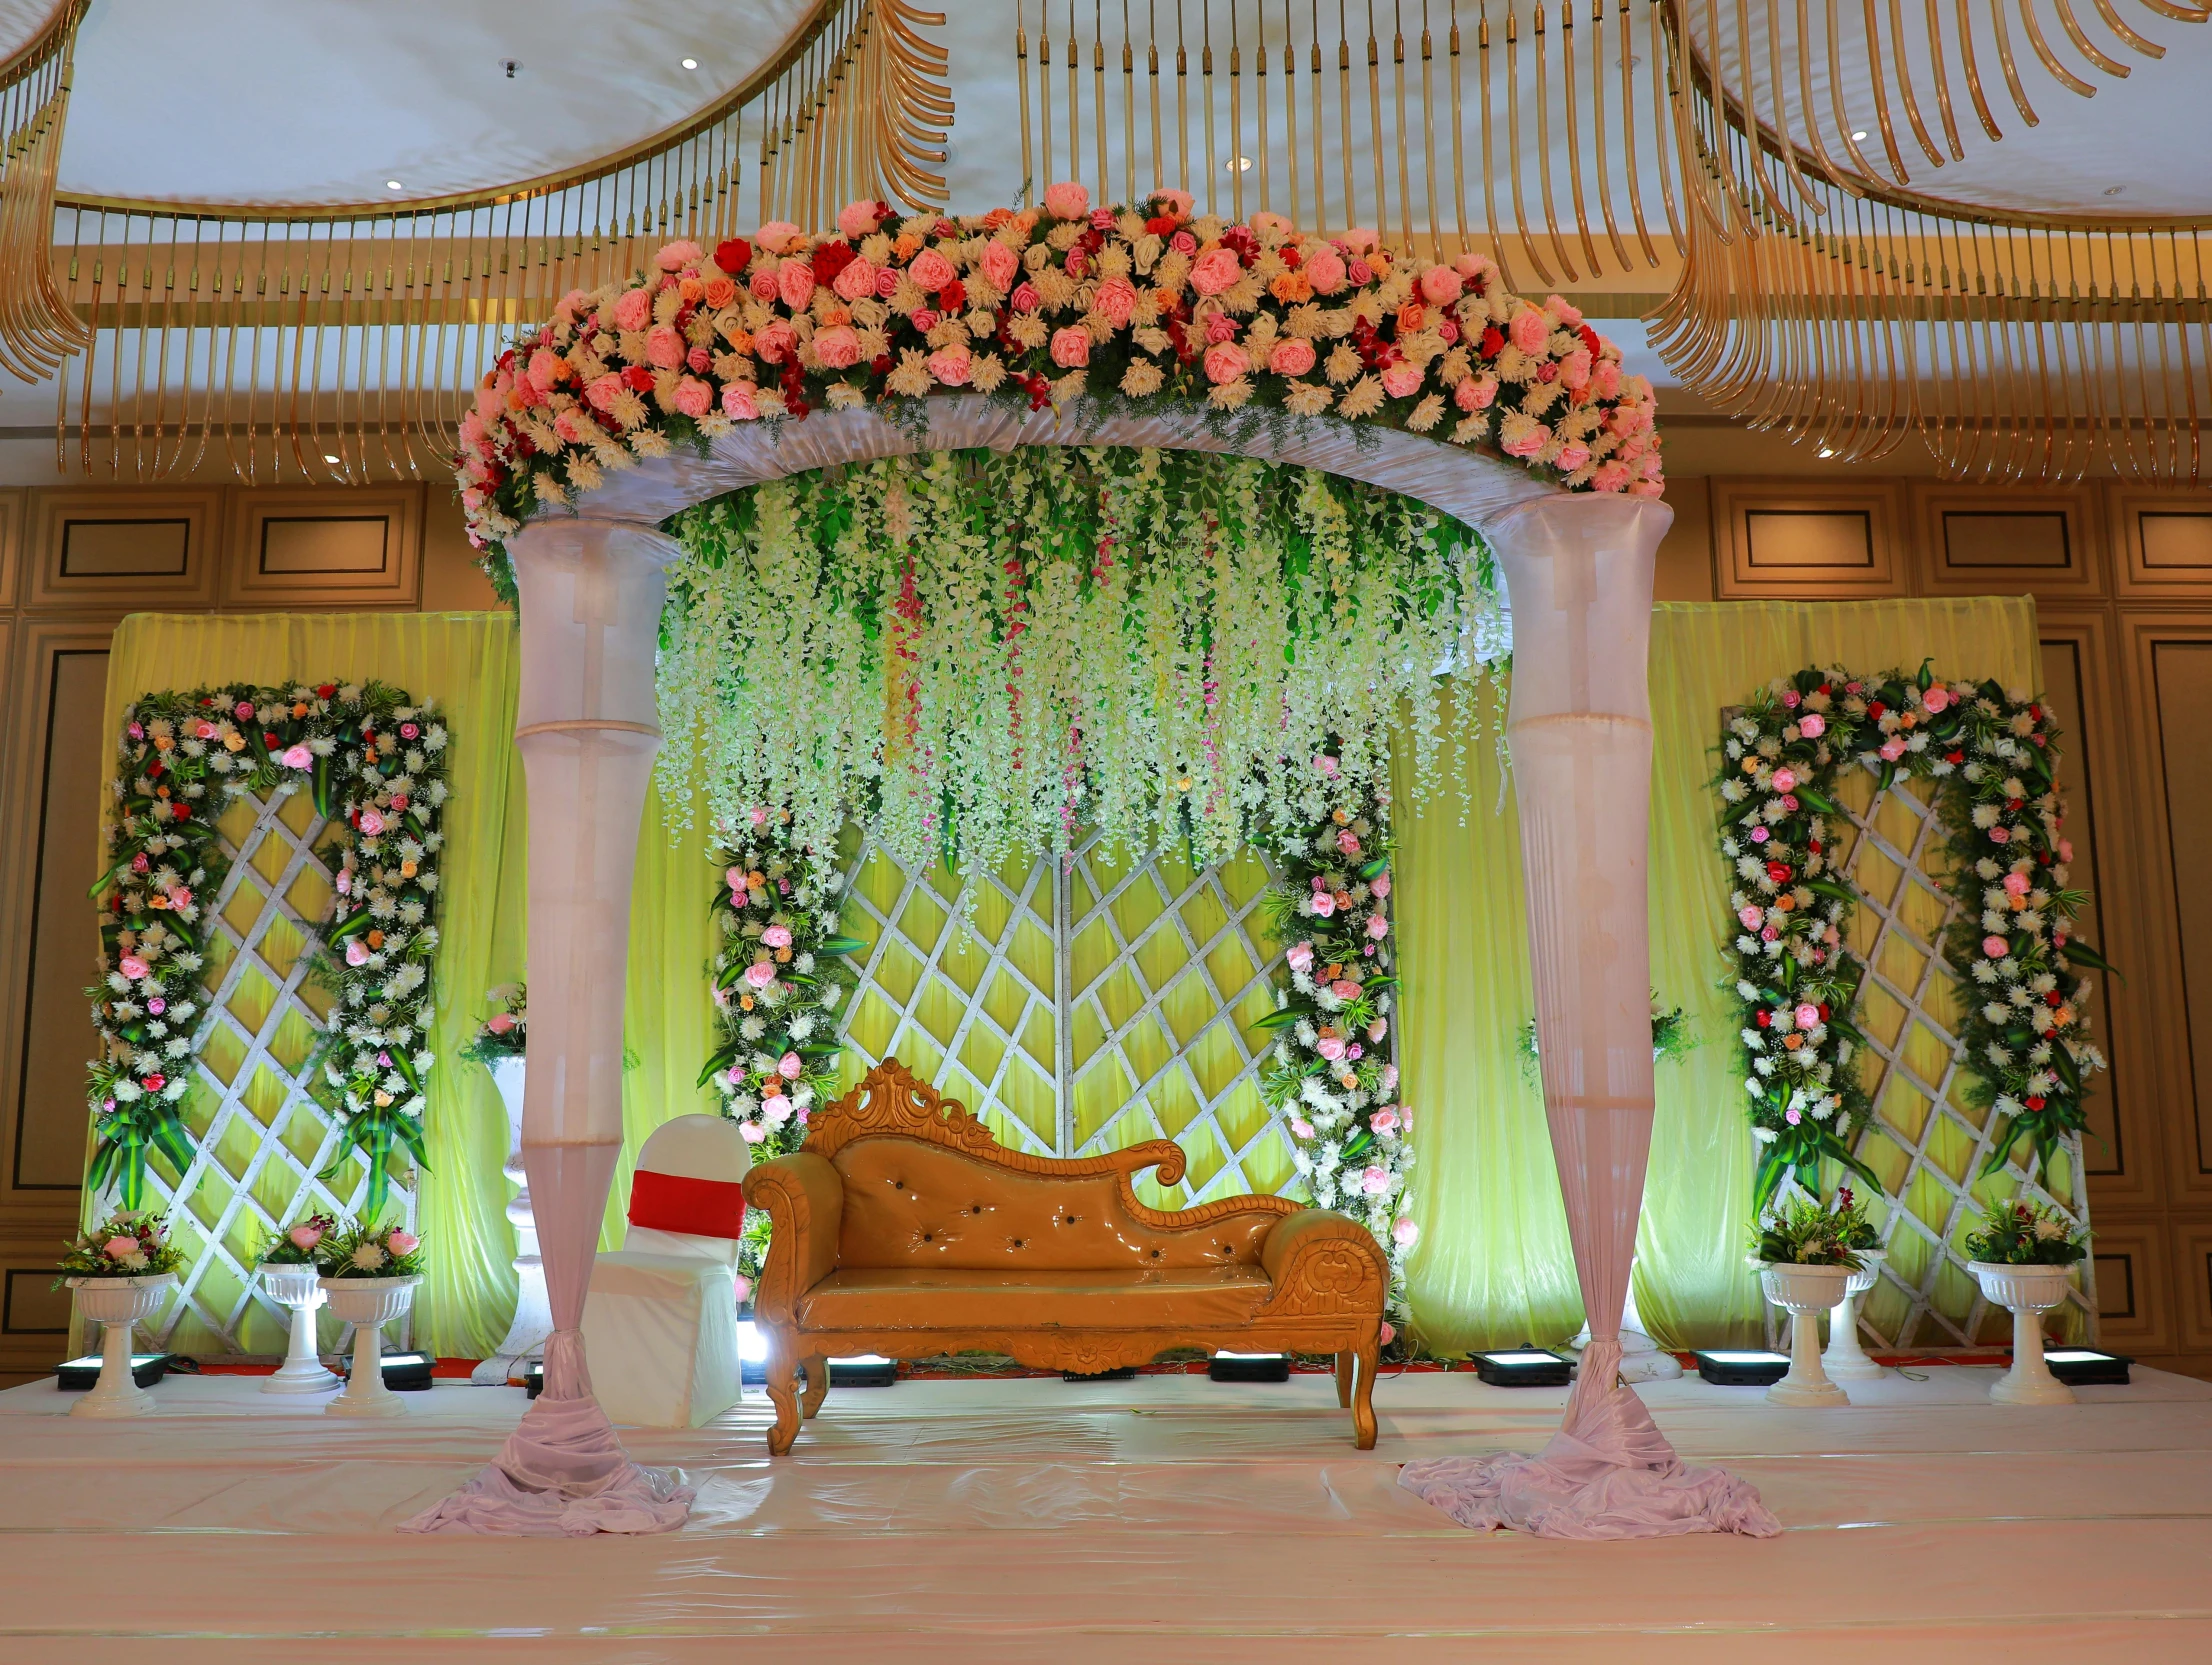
[[1165, 1518]]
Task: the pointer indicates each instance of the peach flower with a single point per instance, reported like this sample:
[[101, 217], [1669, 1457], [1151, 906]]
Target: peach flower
[[838, 347], [931, 270], [1116, 301], [737, 401], [1360, 239], [664, 346], [1402, 381], [674, 257], [1440, 285], [777, 342], [1324, 269], [1475, 393], [1178, 202], [856, 219], [951, 365], [634, 310], [856, 282], [718, 291], [1071, 347], [1291, 356], [1572, 456], [1226, 361], [776, 236], [1529, 330], [1067, 200], [1000, 264], [1215, 270], [795, 282]]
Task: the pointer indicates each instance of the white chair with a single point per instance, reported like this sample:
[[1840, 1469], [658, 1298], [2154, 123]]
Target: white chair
[[660, 1323]]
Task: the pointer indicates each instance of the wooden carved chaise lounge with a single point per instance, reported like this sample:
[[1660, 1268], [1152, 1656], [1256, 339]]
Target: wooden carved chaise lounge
[[902, 1228]]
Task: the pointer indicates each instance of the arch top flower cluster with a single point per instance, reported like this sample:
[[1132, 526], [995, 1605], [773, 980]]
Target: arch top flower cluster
[[1143, 304]]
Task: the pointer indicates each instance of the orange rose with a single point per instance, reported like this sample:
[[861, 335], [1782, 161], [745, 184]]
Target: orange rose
[[1410, 317], [1291, 288], [718, 292]]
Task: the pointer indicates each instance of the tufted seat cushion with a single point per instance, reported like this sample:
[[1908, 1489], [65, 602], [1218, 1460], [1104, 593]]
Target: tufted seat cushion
[[1132, 1298]]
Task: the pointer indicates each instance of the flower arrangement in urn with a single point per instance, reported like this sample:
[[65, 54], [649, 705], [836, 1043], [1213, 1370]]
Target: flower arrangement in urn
[[130, 1243], [364, 1251], [1802, 1233], [505, 1034], [2021, 1233], [297, 1244]]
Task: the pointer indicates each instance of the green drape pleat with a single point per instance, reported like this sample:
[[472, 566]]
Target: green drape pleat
[[1493, 1266]]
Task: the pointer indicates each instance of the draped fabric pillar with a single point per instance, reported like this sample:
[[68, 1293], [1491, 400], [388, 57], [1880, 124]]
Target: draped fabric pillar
[[1578, 571], [591, 593]]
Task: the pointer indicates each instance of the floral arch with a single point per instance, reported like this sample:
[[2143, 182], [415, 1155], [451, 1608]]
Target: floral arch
[[589, 563]]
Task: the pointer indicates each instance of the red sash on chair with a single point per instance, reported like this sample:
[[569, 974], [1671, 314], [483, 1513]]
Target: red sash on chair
[[696, 1207]]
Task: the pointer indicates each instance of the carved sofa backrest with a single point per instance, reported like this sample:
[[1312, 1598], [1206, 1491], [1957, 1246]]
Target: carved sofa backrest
[[925, 1184]]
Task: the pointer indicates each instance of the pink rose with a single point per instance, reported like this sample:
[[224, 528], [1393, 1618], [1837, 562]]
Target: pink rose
[[790, 1067], [1529, 330], [304, 1236], [1344, 989], [737, 402], [856, 282], [1325, 766], [357, 952], [693, 397], [777, 936], [1116, 301], [1378, 927], [1220, 327], [1996, 947], [1071, 347], [763, 282], [1384, 1120], [1784, 780], [1300, 956], [1475, 392], [297, 757], [1605, 379], [1574, 369], [1329, 1047], [777, 342], [857, 219], [674, 257], [1612, 476], [634, 310], [2016, 884], [1402, 381], [2066, 849], [887, 283], [1759, 835], [1347, 842], [545, 369], [402, 1242], [604, 391], [115, 1248], [931, 270], [1892, 749], [243, 710], [1937, 698], [664, 346], [1323, 904], [777, 235], [1301, 1128], [1178, 202], [775, 1108], [1379, 886], [752, 1132], [1793, 1117], [1001, 265], [1440, 285], [1360, 239], [500, 1023], [1999, 835], [1360, 272], [1226, 361], [1812, 725], [1750, 916], [135, 968], [951, 365], [372, 823], [1528, 444], [1403, 1232], [1374, 1181], [1291, 356], [1571, 456], [1807, 1016], [925, 319], [838, 347], [1215, 270], [760, 974], [795, 282], [1067, 200], [1324, 269]]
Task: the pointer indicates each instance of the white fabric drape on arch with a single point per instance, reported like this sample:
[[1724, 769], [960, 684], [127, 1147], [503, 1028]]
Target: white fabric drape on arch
[[1579, 576]]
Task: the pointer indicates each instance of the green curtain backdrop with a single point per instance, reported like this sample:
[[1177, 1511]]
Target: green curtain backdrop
[[1493, 1267]]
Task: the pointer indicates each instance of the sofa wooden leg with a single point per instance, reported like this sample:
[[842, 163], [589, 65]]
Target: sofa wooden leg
[[1344, 1379], [783, 1393], [1363, 1399], [817, 1385]]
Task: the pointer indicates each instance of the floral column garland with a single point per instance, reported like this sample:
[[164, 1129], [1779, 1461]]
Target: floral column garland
[[1332, 1079], [2012, 948], [374, 762]]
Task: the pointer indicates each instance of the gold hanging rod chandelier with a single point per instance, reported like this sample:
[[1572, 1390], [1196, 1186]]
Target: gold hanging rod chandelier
[[343, 341]]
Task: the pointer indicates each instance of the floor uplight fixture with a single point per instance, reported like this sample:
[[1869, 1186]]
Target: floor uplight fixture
[[78, 1374], [2077, 1366], [1524, 1367], [752, 1354], [863, 1370], [1745, 1368], [1249, 1367]]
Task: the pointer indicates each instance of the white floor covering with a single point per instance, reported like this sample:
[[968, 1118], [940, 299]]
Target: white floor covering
[[1166, 1518]]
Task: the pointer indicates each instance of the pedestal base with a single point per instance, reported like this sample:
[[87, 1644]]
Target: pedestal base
[[1807, 1395], [2017, 1388]]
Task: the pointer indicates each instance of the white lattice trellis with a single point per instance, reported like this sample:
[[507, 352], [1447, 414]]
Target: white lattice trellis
[[1925, 1140], [258, 1151], [1081, 1008]]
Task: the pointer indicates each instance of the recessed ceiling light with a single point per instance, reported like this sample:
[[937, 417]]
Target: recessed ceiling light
[[393, 185], [1860, 134], [1238, 164], [2114, 190], [691, 63]]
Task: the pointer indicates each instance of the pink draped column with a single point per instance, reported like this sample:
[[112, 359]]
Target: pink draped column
[[1578, 570], [586, 722]]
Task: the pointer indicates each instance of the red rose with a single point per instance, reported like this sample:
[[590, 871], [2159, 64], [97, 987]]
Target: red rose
[[639, 378], [1877, 710], [734, 256], [1493, 342], [832, 258], [154, 1083], [325, 690], [1778, 871], [2035, 1101], [1589, 338], [1766, 1020], [952, 297], [1161, 225]]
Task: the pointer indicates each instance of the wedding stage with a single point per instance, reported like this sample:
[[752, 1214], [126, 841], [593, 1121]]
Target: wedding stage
[[1167, 1517]]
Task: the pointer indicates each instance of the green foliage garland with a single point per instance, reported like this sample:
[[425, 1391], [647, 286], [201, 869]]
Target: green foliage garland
[[374, 763], [2012, 950]]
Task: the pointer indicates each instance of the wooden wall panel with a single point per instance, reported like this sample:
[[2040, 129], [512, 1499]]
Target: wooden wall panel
[[315, 548], [2164, 541], [81, 553], [1808, 538], [1973, 541], [2135, 1288]]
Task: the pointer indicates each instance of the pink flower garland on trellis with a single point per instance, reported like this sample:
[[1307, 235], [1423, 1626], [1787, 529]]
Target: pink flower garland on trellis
[[1140, 304]]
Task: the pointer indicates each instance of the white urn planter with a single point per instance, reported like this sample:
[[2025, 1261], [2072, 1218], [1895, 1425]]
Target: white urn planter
[[533, 1320], [2027, 1292], [120, 1304], [1845, 1360], [368, 1304], [1805, 1292], [295, 1286]]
